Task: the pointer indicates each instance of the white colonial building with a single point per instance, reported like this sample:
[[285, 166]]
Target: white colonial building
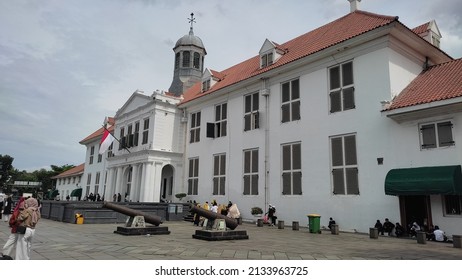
[[355, 120], [300, 126]]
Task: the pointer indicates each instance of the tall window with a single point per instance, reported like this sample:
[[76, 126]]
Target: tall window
[[341, 90], [453, 204], [98, 174], [136, 134], [109, 150], [196, 60], [194, 133], [436, 135], [186, 58], [100, 157], [251, 172], [92, 153], [219, 174], [193, 176], [122, 143], [251, 104], [290, 105], [291, 169], [344, 164], [129, 136], [88, 184], [220, 120], [177, 60], [145, 131]]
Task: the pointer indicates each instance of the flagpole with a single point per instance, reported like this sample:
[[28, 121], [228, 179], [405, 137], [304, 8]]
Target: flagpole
[[116, 139]]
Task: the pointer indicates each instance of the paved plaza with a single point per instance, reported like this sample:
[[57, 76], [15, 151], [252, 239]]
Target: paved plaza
[[63, 241]]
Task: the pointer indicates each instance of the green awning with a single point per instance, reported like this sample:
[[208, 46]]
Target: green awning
[[424, 181], [77, 192], [52, 194]]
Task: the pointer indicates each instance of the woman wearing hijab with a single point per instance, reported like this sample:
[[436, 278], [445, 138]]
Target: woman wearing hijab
[[29, 218], [13, 238]]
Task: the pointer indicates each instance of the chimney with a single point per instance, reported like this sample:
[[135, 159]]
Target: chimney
[[354, 5]]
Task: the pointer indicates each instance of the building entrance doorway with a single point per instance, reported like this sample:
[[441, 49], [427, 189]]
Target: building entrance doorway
[[415, 208]]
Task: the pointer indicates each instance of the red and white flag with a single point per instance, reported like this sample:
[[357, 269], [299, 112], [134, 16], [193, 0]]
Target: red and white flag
[[106, 141]]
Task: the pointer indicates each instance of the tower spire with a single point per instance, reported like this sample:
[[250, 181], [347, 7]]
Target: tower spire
[[191, 20]]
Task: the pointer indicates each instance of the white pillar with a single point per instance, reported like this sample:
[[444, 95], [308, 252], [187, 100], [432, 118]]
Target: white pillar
[[147, 182], [140, 191], [157, 182], [110, 186], [135, 183], [119, 181]]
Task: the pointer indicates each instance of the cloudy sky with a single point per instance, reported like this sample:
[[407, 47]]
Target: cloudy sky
[[65, 65]]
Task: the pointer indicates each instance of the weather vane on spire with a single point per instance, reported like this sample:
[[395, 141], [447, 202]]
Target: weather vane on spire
[[192, 20]]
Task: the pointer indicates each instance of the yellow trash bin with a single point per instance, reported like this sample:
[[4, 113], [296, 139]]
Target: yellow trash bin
[[78, 219]]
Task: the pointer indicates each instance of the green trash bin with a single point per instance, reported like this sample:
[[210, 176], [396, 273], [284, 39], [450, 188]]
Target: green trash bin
[[314, 223]]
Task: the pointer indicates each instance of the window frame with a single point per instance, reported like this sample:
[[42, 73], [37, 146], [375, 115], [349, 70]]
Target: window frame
[[193, 176], [195, 127], [344, 166], [294, 168], [342, 89], [436, 134], [456, 201], [145, 131], [221, 120], [291, 104], [219, 174], [266, 59], [250, 171], [251, 117]]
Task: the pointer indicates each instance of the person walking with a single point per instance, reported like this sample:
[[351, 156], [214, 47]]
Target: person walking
[[7, 208], [13, 238], [29, 218]]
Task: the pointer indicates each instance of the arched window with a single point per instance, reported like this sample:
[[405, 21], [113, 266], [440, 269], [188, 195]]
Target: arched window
[[177, 60], [186, 59], [196, 61]]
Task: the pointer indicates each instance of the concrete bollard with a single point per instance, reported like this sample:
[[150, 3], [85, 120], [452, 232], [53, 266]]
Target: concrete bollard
[[259, 222], [421, 237], [457, 241], [334, 229], [280, 224], [295, 225], [373, 233]]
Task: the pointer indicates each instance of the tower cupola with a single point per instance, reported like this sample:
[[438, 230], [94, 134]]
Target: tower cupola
[[189, 61]]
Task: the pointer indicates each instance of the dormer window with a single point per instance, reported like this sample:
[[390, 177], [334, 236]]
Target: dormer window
[[269, 53], [266, 59], [206, 85], [210, 78]]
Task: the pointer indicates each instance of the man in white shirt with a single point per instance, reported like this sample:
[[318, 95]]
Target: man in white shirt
[[439, 235]]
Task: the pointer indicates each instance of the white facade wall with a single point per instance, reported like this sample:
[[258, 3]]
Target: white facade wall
[[93, 169], [155, 163], [66, 185], [379, 73]]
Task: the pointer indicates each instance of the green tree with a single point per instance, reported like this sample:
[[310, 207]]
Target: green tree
[[6, 166]]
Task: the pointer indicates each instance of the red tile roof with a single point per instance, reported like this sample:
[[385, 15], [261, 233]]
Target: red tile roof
[[99, 132], [421, 28], [78, 170], [342, 29], [439, 82]]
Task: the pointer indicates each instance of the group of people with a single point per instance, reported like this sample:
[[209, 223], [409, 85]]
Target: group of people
[[22, 222], [91, 197], [434, 234], [388, 227], [229, 210]]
